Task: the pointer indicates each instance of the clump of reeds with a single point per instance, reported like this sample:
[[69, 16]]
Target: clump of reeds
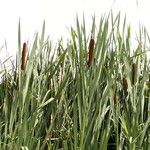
[[24, 54], [66, 108], [91, 52]]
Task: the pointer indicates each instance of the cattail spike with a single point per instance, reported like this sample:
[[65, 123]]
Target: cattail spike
[[91, 51], [115, 97], [134, 72], [125, 84], [24, 53]]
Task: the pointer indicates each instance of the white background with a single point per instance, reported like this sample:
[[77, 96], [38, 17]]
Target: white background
[[59, 16]]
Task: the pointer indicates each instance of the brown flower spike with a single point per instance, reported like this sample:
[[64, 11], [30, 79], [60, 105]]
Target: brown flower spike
[[91, 52], [115, 97], [125, 83], [134, 72], [24, 53]]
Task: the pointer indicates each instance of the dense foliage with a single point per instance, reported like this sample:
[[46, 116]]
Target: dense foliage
[[93, 94]]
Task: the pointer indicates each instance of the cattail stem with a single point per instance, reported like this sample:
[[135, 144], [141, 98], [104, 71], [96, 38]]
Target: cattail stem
[[24, 53], [91, 51]]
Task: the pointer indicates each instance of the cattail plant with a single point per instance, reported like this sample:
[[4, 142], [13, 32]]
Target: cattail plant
[[134, 72], [91, 52], [61, 104], [24, 53]]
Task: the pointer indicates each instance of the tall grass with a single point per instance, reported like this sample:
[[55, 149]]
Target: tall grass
[[92, 94]]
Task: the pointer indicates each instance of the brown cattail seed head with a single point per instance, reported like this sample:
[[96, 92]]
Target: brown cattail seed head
[[24, 53], [125, 83], [115, 97], [91, 51], [134, 73]]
